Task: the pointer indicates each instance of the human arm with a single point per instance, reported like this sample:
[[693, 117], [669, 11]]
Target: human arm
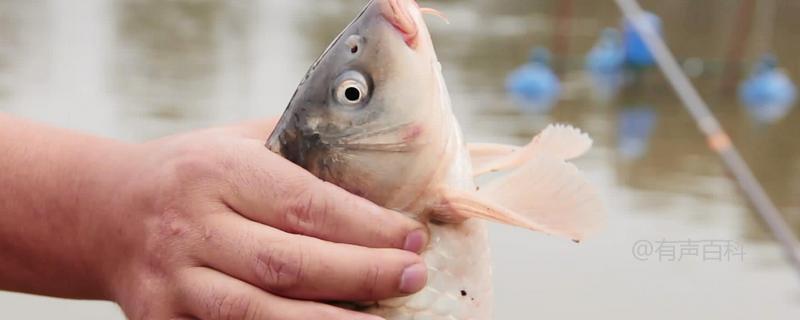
[[207, 224]]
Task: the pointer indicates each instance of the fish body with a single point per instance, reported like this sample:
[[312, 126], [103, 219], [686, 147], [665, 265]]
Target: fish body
[[373, 116]]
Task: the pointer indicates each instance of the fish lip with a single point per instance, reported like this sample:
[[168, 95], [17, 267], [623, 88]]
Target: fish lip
[[399, 14]]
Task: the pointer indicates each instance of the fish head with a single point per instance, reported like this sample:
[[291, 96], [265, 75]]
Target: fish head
[[369, 113]]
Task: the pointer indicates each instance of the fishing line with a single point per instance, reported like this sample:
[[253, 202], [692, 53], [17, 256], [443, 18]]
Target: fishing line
[[718, 140]]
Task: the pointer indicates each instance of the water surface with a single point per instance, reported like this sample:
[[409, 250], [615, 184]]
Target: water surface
[[138, 70]]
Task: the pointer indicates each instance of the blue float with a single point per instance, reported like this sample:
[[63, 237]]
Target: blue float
[[608, 55], [768, 94], [637, 55], [534, 86], [635, 126], [605, 65]]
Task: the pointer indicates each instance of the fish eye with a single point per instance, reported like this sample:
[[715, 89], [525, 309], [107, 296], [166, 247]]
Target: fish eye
[[352, 89], [352, 94]]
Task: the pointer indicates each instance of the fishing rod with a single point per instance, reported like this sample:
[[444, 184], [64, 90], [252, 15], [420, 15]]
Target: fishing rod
[[718, 140]]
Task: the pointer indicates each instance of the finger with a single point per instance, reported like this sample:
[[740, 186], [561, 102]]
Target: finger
[[273, 191], [210, 295], [258, 129], [306, 268]]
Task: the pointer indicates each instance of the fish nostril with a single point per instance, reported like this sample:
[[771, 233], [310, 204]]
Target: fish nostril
[[354, 43]]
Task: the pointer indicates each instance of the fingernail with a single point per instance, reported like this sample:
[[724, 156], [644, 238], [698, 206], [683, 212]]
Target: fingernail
[[416, 241], [413, 278]]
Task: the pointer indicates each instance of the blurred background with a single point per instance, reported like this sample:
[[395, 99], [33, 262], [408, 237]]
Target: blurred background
[[141, 69]]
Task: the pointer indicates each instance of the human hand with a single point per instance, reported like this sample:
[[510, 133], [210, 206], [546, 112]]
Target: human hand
[[212, 225]]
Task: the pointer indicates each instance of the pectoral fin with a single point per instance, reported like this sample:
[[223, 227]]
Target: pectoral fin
[[562, 141], [545, 194]]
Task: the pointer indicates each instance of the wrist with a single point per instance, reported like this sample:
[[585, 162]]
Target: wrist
[[106, 206]]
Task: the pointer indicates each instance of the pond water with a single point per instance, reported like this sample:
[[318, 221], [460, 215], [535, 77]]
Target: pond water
[[137, 70]]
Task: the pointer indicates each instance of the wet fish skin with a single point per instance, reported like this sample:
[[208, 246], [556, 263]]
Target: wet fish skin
[[366, 147], [399, 145], [393, 150]]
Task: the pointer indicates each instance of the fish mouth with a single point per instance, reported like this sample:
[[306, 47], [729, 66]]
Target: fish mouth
[[406, 17]]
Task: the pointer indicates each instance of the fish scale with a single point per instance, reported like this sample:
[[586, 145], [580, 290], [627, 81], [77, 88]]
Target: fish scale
[[449, 275]]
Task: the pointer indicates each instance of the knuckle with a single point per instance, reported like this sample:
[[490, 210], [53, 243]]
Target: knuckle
[[281, 270], [172, 225], [168, 238], [370, 280], [306, 212], [223, 306]]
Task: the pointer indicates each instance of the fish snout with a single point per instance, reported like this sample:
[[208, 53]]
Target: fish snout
[[289, 144], [274, 144], [400, 13]]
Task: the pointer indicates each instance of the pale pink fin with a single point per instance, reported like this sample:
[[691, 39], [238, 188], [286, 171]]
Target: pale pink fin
[[561, 141], [492, 157], [545, 194], [458, 206]]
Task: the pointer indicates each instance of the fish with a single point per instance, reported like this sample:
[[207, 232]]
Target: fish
[[373, 115]]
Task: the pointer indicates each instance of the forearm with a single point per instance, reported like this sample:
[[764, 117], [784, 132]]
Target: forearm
[[54, 189]]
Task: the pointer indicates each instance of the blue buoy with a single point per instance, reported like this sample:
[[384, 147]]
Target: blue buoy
[[637, 55], [769, 94], [605, 63], [534, 85], [635, 126], [608, 55]]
